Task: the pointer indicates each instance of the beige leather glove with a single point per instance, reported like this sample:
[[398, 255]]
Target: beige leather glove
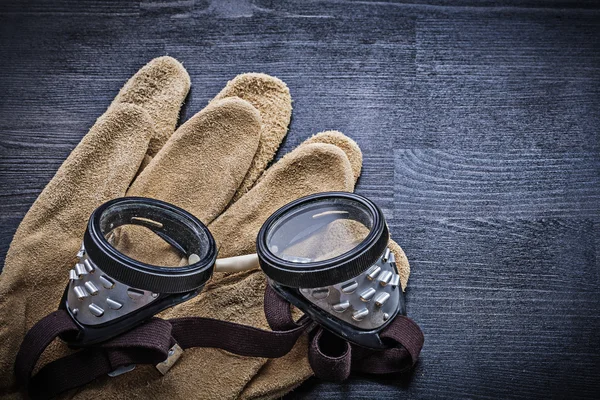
[[207, 164]]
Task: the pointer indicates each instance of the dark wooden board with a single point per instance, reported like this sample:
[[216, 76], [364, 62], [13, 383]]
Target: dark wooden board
[[480, 128]]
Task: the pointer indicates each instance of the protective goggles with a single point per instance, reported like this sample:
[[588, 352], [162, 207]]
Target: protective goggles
[[326, 254]]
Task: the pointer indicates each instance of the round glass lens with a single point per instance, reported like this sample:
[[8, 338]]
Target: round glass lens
[[133, 230], [319, 230]]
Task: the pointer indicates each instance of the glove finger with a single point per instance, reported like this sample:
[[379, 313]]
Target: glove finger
[[199, 170], [46, 242], [342, 141], [272, 99], [160, 87], [401, 263], [355, 156], [309, 169]]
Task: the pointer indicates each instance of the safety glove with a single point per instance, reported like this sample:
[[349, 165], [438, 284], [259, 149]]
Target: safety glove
[[205, 166]]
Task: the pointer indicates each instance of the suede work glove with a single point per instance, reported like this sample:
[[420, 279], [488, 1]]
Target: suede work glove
[[214, 167]]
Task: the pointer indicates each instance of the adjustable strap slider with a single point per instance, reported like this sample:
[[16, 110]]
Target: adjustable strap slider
[[174, 353]]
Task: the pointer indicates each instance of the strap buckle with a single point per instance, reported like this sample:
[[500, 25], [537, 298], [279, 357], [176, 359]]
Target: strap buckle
[[173, 355]]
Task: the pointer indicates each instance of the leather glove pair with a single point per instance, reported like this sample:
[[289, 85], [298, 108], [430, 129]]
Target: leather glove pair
[[212, 166]]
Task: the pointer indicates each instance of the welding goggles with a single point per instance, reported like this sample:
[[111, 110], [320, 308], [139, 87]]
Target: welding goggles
[[326, 254]]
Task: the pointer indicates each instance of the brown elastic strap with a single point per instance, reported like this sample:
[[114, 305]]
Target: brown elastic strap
[[37, 339], [333, 358], [277, 311], [405, 339], [330, 357], [279, 314], [146, 344], [239, 339]]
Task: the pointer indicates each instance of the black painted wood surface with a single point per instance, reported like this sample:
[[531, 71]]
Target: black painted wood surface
[[480, 127]]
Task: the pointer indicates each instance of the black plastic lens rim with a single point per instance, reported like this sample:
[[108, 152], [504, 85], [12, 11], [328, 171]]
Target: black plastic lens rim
[[328, 272], [146, 276]]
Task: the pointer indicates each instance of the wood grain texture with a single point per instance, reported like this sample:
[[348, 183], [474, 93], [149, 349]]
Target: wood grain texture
[[509, 308], [512, 184], [480, 128]]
